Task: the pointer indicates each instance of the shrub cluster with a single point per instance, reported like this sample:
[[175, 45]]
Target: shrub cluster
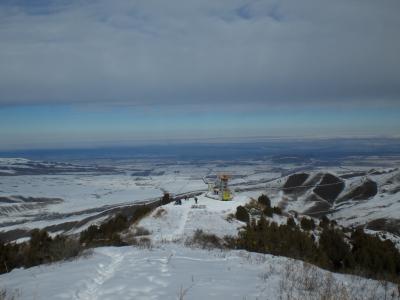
[[268, 211], [41, 249], [107, 234], [204, 240], [139, 213], [264, 200], [165, 199], [373, 255], [261, 206], [268, 237], [358, 253], [307, 224], [277, 210], [242, 214]]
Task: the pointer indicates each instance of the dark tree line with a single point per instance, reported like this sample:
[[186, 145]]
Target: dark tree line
[[352, 251], [42, 248]]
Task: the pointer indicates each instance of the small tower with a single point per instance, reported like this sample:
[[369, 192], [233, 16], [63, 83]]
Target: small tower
[[224, 191]]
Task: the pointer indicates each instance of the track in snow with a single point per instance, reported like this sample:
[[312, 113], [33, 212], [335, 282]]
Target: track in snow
[[103, 273]]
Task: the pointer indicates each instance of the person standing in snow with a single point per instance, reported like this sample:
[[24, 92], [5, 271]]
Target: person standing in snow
[[195, 200]]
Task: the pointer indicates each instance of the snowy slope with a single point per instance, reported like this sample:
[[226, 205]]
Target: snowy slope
[[170, 270], [175, 272], [353, 202], [178, 222]]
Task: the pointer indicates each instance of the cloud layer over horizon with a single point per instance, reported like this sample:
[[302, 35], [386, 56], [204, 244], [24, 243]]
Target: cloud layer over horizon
[[264, 53]]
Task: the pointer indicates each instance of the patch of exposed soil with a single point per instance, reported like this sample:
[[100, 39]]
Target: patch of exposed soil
[[320, 207], [365, 191], [294, 181], [389, 225], [330, 187]]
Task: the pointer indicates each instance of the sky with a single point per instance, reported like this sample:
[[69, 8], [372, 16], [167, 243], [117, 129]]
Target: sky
[[99, 73]]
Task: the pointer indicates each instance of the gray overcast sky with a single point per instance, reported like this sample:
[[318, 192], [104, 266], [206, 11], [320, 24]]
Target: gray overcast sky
[[87, 72], [150, 52]]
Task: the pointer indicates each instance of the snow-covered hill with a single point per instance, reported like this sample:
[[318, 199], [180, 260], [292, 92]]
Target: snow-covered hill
[[171, 269], [365, 197]]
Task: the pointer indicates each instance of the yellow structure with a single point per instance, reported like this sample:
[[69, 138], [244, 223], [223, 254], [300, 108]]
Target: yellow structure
[[224, 192]]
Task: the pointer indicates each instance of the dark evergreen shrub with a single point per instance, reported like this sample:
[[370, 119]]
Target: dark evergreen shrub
[[331, 242], [140, 212], [277, 210], [268, 211], [242, 214], [37, 252], [324, 222], [264, 200], [375, 256], [369, 256], [204, 240], [106, 234], [165, 199], [307, 224], [290, 222]]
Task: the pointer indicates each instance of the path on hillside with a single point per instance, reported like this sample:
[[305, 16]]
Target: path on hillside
[[104, 272]]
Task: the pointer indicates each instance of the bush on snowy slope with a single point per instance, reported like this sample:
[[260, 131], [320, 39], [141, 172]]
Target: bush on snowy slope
[[307, 224], [264, 200], [262, 206], [290, 222], [277, 210], [205, 240], [108, 233], [305, 281], [41, 249], [360, 253], [285, 240], [242, 214], [165, 199]]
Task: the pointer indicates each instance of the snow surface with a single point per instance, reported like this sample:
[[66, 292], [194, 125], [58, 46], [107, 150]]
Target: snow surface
[[180, 221], [171, 270], [81, 191]]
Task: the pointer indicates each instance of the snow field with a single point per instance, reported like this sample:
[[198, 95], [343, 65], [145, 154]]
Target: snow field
[[180, 221], [176, 272]]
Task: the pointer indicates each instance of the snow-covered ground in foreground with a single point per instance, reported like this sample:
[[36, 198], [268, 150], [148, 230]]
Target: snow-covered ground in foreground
[[171, 270]]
